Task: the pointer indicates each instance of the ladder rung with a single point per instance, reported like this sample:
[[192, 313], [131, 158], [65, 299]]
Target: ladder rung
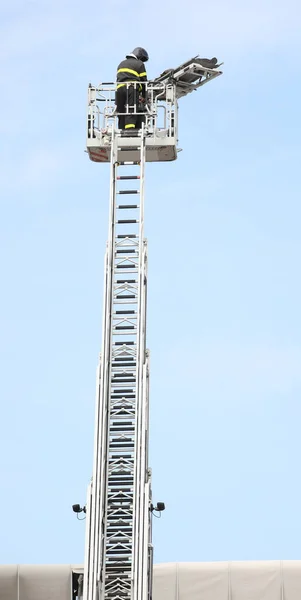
[[122, 456], [131, 236], [127, 251], [119, 389], [124, 327], [121, 396], [111, 574], [115, 485], [124, 206], [117, 383], [116, 529], [111, 568], [119, 563], [120, 497], [121, 445], [124, 566], [122, 477], [130, 381], [129, 162], [120, 523], [116, 396], [123, 365], [118, 375], [124, 358], [119, 551], [127, 411], [128, 177], [124, 343], [123, 575], [119, 370], [126, 297], [124, 221], [117, 538], [126, 266], [119, 514], [132, 272], [128, 192], [125, 312], [128, 429], [126, 281]]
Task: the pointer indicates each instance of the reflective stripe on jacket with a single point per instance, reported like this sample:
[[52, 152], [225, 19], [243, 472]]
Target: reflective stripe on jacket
[[131, 70]]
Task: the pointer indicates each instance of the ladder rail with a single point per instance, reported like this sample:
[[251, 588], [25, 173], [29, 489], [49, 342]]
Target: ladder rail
[[101, 566], [139, 560], [102, 473]]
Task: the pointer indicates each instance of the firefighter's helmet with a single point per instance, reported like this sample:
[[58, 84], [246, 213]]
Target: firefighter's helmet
[[141, 54]]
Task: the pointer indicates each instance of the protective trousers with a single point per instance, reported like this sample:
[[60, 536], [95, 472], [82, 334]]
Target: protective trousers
[[127, 101]]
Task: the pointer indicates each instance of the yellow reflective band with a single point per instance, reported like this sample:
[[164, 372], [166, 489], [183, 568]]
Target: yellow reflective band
[[129, 83], [128, 71], [142, 74], [129, 126]]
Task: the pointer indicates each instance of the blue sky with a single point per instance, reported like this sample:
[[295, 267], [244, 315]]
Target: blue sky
[[224, 327]]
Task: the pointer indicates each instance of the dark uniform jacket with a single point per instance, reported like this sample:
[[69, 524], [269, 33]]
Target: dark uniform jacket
[[131, 70]]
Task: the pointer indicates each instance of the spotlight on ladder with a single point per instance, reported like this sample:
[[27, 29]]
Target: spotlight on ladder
[[77, 508], [159, 508]]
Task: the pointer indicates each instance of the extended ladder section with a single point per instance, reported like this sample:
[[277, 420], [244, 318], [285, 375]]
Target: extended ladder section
[[118, 560]]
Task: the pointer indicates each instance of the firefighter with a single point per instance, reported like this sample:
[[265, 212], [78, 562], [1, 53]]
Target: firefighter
[[130, 90]]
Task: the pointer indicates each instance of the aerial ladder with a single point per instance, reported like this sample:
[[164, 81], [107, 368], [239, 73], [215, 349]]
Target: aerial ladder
[[119, 553]]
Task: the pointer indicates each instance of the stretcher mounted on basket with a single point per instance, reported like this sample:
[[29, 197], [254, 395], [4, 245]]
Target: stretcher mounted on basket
[[190, 75]]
